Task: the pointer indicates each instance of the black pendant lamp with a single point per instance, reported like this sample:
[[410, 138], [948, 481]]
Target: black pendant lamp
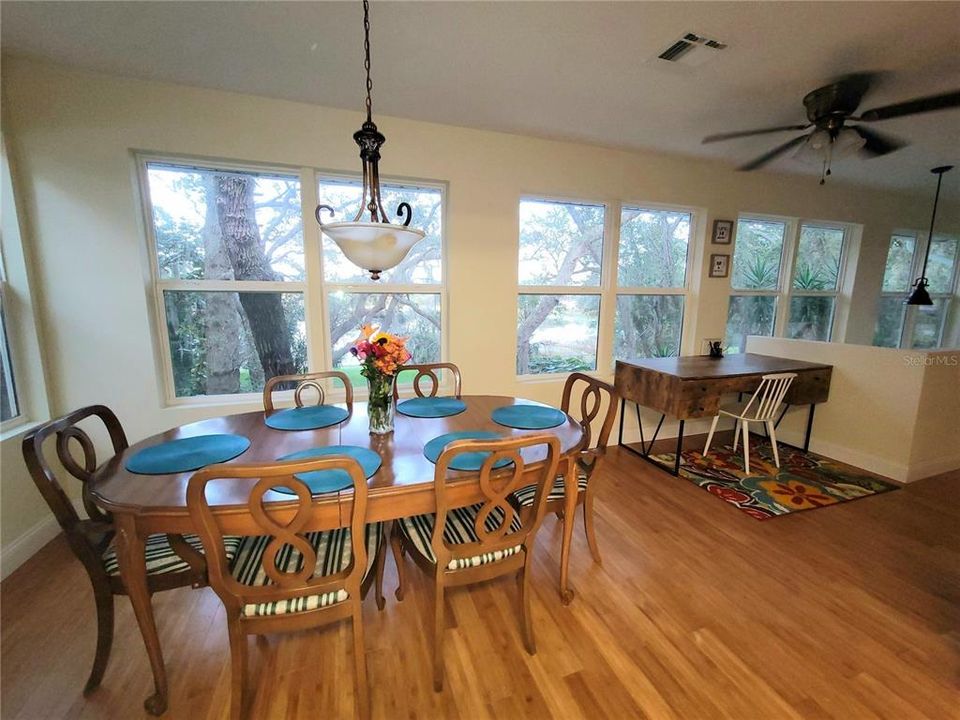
[[920, 296]]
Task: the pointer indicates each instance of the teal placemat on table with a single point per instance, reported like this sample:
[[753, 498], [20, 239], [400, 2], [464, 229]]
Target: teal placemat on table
[[186, 454], [431, 407], [465, 460], [307, 418], [324, 481], [528, 417]]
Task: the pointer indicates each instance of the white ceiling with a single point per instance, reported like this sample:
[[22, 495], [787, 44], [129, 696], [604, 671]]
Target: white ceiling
[[581, 71]]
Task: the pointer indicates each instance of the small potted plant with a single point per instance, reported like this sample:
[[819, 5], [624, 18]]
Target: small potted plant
[[381, 357]]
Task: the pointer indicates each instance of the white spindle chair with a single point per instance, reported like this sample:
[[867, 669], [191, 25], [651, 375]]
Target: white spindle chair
[[762, 407]]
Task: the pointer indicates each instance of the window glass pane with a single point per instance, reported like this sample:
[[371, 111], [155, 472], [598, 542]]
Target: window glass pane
[[940, 267], [226, 342], [557, 333], [890, 316], [226, 225], [811, 317], [413, 316], [749, 315], [560, 243], [756, 256], [928, 324], [647, 326], [653, 248], [897, 274], [8, 392], [818, 258], [423, 263]]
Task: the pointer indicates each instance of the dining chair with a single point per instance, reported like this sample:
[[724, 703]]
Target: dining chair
[[429, 370], [291, 571], [172, 561], [461, 545], [594, 398], [303, 382], [761, 408]]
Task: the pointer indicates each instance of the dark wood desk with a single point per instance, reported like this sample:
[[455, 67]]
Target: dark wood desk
[[691, 387]]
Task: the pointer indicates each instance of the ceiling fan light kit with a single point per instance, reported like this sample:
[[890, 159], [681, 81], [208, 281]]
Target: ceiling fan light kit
[[920, 294], [375, 245], [828, 109]]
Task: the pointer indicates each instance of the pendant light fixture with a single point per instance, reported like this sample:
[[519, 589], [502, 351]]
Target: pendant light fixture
[[920, 296], [375, 245]]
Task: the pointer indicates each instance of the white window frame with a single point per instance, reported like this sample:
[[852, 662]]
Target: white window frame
[[689, 291], [313, 287], [382, 287], [949, 297], [601, 291], [784, 292]]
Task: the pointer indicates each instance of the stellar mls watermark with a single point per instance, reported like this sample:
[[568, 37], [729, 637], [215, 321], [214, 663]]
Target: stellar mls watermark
[[932, 360]]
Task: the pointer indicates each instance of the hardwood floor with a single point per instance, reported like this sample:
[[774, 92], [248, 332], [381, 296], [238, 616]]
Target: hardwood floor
[[698, 611]]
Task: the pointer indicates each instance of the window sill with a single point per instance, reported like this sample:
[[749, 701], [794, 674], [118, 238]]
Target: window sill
[[20, 428]]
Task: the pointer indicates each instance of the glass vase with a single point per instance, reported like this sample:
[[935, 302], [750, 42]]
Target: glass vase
[[380, 407]]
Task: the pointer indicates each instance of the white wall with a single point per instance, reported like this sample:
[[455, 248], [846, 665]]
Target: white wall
[[894, 412], [72, 133]]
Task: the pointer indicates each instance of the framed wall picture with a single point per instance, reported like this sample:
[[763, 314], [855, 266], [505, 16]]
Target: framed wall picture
[[719, 265], [722, 232]]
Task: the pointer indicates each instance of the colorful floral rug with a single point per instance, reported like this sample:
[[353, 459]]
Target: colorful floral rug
[[803, 481]]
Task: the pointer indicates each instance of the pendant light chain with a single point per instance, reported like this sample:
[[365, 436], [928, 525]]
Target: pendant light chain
[[366, 56]]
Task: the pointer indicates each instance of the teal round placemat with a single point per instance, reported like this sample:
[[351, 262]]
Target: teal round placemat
[[528, 417], [186, 454], [431, 407], [307, 418], [465, 460], [324, 481]]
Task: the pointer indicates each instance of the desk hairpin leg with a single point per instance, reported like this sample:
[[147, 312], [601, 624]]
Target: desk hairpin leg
[[647, 447]]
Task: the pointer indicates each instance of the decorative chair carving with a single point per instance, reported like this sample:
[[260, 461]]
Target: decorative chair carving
[[302, 383], [429, 370], [172, 560], [289, 573], [464, 545], [596, 399]]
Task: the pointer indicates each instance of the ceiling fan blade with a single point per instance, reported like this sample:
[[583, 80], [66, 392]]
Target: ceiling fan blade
[[771, 154], [913, 107], [748, 133], [877, 143]]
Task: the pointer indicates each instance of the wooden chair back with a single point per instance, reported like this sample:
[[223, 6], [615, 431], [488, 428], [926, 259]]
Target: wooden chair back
[[303, 382], [496, 486], [768, 396], [429, 370], [596, 398], [285, 525]]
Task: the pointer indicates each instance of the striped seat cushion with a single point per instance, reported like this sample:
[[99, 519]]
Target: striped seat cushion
[[525, 495], [333, 555], [161, 558], [418, 529]]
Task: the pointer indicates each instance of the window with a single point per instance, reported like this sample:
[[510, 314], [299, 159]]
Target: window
[[757, 262], [559, 274], [9, 405], [652, 272], [407, 300], [901, 325], [762, 303], [230, 275]]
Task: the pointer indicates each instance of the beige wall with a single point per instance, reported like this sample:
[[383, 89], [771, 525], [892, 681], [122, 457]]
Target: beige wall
[[72, 133], [895, 412]]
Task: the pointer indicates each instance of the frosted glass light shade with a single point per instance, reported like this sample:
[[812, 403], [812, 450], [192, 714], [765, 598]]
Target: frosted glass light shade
[[814, 150], [373, 246]]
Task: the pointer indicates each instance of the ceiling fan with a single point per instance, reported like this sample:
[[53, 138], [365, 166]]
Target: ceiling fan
[[828, 110]]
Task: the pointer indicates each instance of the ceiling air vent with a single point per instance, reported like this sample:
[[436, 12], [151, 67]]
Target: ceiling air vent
[[691, 49]]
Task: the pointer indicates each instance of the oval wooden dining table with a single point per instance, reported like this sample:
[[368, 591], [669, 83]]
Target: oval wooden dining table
[[145, 504]]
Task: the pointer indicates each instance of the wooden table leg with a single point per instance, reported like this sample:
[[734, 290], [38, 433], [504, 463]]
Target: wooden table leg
[[569, 517], [133, 572]]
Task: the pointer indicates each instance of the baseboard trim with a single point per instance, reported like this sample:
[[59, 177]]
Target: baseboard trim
[[18, 551]]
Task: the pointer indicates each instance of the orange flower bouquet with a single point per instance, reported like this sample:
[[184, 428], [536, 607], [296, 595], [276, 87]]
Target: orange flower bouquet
[[381, 357]]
